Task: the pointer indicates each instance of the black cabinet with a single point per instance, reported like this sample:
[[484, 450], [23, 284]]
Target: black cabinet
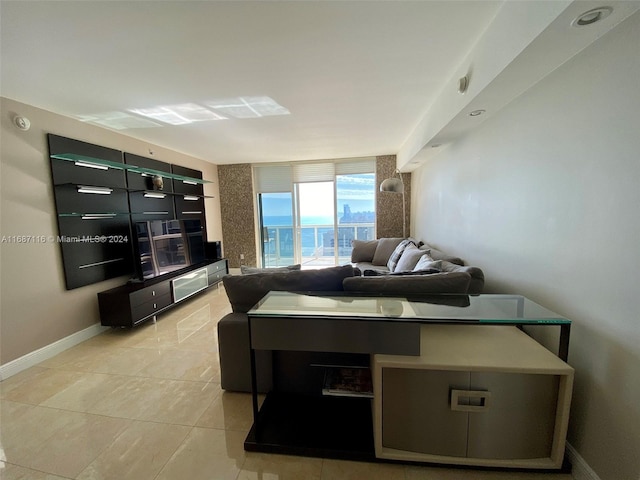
[[132, 304]]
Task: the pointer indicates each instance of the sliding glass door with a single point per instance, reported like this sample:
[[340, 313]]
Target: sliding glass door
[[310, 213]]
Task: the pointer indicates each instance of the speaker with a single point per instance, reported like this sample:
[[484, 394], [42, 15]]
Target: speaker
[[213, 250]]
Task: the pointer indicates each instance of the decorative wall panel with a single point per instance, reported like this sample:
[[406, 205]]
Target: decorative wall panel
[[237, 211], [389, 204]]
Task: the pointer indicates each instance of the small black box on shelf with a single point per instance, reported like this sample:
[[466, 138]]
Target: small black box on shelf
[[213, 250]]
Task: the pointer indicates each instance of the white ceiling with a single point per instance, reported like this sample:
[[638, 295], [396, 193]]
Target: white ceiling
[[358, 77]]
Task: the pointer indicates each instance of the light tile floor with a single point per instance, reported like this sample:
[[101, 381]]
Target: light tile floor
[[146, 404]]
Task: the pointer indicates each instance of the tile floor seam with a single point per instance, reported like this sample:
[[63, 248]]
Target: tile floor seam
[[36, 470]]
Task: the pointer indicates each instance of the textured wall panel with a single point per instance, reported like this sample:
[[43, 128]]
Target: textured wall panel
[[237, 212], [389, 204]]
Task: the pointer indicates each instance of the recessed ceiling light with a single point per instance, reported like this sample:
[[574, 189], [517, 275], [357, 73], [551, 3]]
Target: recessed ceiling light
[[178, 114], [476, 113], [592, 16], [248, 107]]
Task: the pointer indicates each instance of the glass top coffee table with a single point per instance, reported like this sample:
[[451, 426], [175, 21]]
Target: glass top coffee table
[[360, 325]]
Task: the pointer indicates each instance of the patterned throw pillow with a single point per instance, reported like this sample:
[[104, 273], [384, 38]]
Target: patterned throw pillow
[[397, 253]]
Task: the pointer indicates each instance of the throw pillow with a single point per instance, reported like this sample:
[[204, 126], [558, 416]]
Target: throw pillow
[[363, 251], [427, 263], [397, 253], [409, 258], [245, 270], [385, 248]]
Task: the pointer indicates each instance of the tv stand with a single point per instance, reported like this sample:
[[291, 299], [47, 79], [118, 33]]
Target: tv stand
[[134, 303]]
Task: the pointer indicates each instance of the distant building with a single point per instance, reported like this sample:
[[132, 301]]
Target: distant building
[[358, 217]]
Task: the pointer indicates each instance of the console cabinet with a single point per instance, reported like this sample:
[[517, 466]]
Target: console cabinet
[[129, 305], [489, 396]]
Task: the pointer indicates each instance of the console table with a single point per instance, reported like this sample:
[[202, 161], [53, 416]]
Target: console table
[[444, 390]]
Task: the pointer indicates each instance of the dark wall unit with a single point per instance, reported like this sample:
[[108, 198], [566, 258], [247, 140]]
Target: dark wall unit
[[189, 198], [92, 212], [150, 195], [100, 193]]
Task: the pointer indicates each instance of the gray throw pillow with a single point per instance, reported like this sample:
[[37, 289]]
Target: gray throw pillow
[[244, 291], [409, 258], [385, 248], [427, 263], [245, 270], [363, 251]]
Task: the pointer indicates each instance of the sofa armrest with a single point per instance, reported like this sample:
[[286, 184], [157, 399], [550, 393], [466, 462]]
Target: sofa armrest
[[476, 284], [235, 364]]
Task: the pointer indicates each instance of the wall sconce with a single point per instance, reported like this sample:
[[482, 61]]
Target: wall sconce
[[396, 185]]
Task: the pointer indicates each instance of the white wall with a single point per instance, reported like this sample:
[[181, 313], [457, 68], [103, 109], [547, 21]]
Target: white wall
[[545, 197], [35, 308]]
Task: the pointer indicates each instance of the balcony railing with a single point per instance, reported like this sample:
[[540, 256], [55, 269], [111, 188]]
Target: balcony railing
[[318, 243]]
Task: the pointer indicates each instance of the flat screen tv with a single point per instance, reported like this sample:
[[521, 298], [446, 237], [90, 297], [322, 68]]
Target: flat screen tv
[[165, 246]]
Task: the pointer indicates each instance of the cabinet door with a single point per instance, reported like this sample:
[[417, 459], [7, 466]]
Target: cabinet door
[[519, 421], [416, 413]]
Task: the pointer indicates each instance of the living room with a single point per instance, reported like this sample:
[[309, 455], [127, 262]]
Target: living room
[[536, 193]]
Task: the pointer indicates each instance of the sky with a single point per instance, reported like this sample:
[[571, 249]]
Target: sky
[[316, 199]]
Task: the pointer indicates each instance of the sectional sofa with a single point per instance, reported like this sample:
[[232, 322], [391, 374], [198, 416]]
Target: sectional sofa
[[368, 275]]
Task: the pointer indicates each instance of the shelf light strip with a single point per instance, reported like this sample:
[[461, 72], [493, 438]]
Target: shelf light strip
[[97, 216], [190, 198], [155, 195], [91, 165], [101, 263], [95, 190]]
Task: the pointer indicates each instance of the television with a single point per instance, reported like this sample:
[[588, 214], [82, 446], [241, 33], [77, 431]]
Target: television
[[166, 246]]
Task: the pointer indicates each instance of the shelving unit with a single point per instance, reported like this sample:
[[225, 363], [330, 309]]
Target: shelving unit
[[101, 192]]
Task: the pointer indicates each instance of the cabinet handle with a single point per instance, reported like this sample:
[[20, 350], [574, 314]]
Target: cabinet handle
[[472, 400], [155, 305], [153, 293]]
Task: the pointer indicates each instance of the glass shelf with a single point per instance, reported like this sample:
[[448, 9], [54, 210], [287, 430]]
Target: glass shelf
[[98, 162]]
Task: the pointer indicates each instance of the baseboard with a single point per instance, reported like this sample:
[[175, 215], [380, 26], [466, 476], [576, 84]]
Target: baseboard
[[30, 359], [580, 468]]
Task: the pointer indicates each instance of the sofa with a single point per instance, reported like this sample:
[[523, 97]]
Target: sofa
[[244, 291], [399, 257]]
